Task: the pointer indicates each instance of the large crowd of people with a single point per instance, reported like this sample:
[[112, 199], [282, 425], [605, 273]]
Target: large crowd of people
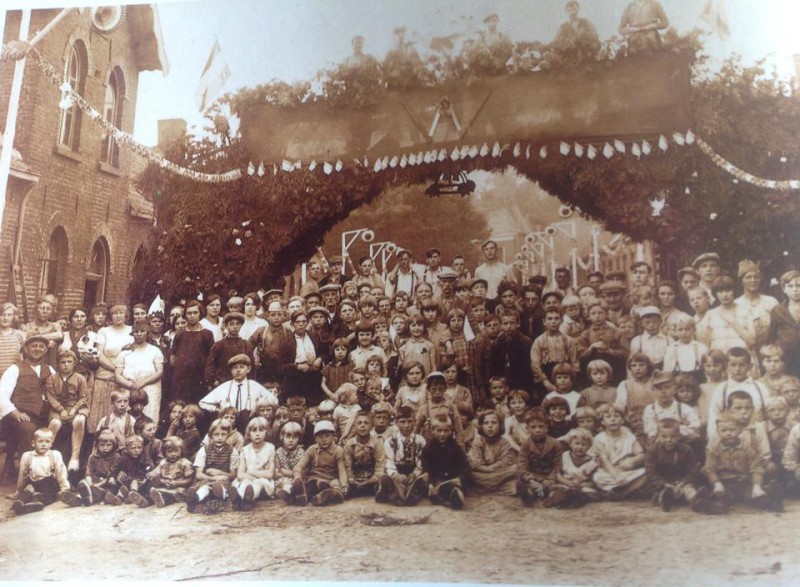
[[430, 381]]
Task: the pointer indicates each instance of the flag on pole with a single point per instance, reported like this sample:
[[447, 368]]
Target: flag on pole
[[714, 16], [213, 78]]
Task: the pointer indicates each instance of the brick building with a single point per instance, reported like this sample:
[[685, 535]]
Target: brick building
[[73, 224]]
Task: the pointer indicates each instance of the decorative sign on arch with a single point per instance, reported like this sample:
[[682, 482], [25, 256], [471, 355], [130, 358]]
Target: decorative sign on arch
[[631, 98]]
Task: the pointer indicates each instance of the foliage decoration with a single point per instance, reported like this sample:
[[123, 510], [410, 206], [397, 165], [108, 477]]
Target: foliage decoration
[[249, 233]]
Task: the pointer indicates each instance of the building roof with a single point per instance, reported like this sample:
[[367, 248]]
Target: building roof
[[148, 40], [139, 206]]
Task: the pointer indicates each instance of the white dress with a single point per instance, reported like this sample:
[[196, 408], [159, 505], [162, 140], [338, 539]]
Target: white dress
[[142, 362], [613, 449], [257, 460]]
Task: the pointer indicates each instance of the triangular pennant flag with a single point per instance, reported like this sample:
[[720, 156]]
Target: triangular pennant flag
[[496, 150], [393, 162], [646, 147], [689, 137], [442, 155], [591, 152], [339, 165], [327, 168], [517, 151], [687, 191], [312, 166], [251, 169], [456, 154], [261, 171], [564, 148], [156, 306], [464, 151], [578, 150], [286, 165], [484, 150], [377, 167], [679, 138], [212, 79], [473, 151], [403, 162], [636, 150], [543, 152], [412, 159], [385, 162], [663, 144], [619, 146], [608, 151]]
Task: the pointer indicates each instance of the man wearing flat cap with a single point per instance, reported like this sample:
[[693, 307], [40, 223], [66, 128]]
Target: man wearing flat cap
[[22, 391], [331, 294], [266, 343], [239, 392], [708, 268], [336, 275], [613, 293]]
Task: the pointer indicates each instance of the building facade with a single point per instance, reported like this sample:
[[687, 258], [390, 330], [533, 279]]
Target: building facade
[[73, 222]]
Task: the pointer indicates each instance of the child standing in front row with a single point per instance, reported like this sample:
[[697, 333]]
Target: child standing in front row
[[256, 471]]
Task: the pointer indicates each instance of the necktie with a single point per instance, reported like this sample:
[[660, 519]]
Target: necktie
[[238, 396]]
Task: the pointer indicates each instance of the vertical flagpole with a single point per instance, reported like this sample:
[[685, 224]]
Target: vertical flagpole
[[11, 117]]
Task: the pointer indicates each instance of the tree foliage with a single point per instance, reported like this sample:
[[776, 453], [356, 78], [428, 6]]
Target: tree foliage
[[248, 233]]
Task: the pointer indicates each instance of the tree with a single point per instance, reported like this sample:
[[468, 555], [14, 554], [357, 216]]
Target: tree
[[249, 233]]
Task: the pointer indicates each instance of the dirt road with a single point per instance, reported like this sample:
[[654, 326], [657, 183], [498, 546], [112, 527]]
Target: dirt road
[[493, 541]]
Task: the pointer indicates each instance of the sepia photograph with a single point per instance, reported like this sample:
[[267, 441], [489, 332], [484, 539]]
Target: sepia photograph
[[422, 291]]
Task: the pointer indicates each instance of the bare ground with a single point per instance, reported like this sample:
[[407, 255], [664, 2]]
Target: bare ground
[[494, 540]]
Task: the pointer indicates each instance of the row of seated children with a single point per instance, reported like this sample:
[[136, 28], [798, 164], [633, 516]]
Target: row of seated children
[[402, 469]]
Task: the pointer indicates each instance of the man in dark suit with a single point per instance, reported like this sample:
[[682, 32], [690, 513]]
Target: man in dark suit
[[301, 361], [510, 355]]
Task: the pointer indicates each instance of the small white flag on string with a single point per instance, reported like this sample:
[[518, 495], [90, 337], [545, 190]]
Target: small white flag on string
[[663, 144], [212, 79], [646, 147], [591, 152], [608, 151], [619, 146], [564, 148], [578, 150]]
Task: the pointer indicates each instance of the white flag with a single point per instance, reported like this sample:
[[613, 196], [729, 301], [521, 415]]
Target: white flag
[[714, 16], [213, 78]]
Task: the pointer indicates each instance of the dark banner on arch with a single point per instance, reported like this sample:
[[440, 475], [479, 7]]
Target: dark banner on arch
[[635, 97]]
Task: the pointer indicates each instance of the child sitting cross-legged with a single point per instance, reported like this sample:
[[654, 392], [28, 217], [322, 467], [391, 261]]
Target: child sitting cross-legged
[[736, 470], [619, 455], [133, 470], [42, 477], [101, 471], [516, 432], [256, 471], [230, 417], [491, 458], [574, 487], [538, 459], [672, 472], [215, 466], [171, 477], [446, 465], [320, 476], [404, 482], [364, 458]]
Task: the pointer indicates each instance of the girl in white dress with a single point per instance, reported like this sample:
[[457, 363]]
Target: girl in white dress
[[256, 474], [619, 455]]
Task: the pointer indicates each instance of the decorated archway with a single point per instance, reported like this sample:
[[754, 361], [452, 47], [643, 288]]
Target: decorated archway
[[703, 169]]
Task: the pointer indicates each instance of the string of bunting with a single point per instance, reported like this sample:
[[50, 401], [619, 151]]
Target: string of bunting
[[70, 97], [740, 174], [608, 149]]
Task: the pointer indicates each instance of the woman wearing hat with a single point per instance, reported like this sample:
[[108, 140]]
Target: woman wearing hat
[[110, 342], [753, 302]]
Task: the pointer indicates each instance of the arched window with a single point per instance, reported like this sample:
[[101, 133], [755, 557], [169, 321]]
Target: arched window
[[112, 112], [53, 263], [94, 289], [75, 74]]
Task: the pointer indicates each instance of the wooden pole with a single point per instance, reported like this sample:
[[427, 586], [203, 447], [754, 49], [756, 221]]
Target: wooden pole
[[11, 117]]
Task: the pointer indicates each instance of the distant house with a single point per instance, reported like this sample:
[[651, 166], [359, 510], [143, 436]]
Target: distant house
[[73, 223]]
